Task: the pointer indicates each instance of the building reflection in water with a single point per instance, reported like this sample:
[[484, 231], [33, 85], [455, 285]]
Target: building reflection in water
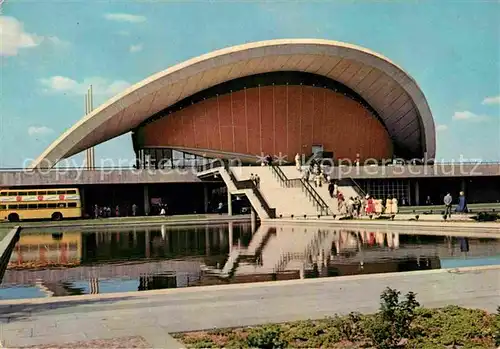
[[75, 262]]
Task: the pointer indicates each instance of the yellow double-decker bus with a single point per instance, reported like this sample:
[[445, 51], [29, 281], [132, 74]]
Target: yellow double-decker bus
[[55, 204]]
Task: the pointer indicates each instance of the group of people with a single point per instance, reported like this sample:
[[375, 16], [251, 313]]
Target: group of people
[[255, 179], [106, 211], [461, 206]]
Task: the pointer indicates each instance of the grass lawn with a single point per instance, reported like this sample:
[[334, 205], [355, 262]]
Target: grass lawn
[[398, 324]]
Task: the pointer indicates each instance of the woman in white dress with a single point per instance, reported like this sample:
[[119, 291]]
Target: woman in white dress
[[378, 207], [388, 206], [395, 207], [297, 162]]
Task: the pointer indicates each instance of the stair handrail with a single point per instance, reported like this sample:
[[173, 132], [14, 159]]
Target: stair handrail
[[314, 194], [249, 184], [305, 185], [358, 188], [278, 173]]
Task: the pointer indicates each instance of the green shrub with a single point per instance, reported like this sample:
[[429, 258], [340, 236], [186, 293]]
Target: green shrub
[[496, 327], [392, 324], [266, 337]]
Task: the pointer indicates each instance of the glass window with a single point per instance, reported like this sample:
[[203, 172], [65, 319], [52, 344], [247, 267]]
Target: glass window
[[32, 206], [42, 205], [4, 193], [61, 192], [23, 206], [71, 204], [32, 193], [51, 205], [51, 192], [3, 207], [42, 193], [12, 207], [61, 205], [22, 193], [71, 192]]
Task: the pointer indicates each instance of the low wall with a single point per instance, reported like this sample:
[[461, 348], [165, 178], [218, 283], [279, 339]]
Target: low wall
[[6, 247]]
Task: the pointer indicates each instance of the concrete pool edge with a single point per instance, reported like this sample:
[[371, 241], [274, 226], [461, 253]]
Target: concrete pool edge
[[141, 221], [142, 295]]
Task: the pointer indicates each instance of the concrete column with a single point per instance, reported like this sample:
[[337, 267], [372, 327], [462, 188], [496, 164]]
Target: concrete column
[[253, 219], [463, 186], [146, 200], [83, 202], [229, 203], [417, 193], [148, 245], [207, 241], [205, 198], [230, 236]]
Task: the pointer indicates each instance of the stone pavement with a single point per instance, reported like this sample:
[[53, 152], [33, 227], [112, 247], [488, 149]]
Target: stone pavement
[[144, 319]]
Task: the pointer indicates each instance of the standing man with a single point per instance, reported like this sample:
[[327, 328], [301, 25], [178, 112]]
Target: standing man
[[447, 203]]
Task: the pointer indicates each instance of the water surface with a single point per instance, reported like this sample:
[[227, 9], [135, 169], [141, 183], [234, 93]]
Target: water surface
[[55, 262]]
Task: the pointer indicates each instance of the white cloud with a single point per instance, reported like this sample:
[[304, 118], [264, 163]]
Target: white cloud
[[124, 17], [13, 37], [492, 100], [39, 130], [441, 128], [135, 48], [100, 86], [468, 116]]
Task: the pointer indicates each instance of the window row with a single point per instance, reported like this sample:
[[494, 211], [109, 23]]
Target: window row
[[38, 206], [38, 192]]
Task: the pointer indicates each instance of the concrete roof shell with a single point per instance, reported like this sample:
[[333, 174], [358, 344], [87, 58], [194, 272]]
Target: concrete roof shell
[[385, 86]]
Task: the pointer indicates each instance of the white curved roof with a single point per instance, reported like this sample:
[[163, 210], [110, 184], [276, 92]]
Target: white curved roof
[[385, 86]]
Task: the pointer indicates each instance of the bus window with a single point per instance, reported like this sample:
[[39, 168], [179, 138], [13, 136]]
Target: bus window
[[32, 193], [12, 207], [42, 205], [22, 193], [52, 192], [71, 192], [3, 207], [4, 193], [51, 205], [71, 204], [61, 205], [23, 206], [32, 206], [60, 192]]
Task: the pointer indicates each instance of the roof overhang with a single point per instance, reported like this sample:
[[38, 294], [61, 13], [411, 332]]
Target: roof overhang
[[385, 86]]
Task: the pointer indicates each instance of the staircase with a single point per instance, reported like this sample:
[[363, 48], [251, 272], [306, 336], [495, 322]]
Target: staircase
[[347, 186], [322, 208], [288, 201], [248, 188]]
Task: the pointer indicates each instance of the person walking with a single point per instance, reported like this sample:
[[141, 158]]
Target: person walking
[[297, 162], [462, 203], [447, 204]]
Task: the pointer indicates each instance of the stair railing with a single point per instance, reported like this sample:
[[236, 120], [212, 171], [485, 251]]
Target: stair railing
[[249, 184], [306, 187]]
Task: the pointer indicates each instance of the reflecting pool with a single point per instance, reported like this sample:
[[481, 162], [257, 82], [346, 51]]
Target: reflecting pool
[[48, 263]]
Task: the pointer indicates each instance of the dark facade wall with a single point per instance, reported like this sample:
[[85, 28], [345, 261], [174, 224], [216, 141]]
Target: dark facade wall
[[274, 119]]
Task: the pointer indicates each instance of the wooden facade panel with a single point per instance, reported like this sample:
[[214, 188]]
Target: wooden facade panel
[[274, 119], [293, 127], [307, 116], [253, 120], [212, 112], [267, 119], [280, 117]]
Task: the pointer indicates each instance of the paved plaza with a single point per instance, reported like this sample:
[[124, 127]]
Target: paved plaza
[[144, 319]]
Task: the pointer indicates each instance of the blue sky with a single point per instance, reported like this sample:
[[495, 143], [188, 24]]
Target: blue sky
[[51, 50]]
